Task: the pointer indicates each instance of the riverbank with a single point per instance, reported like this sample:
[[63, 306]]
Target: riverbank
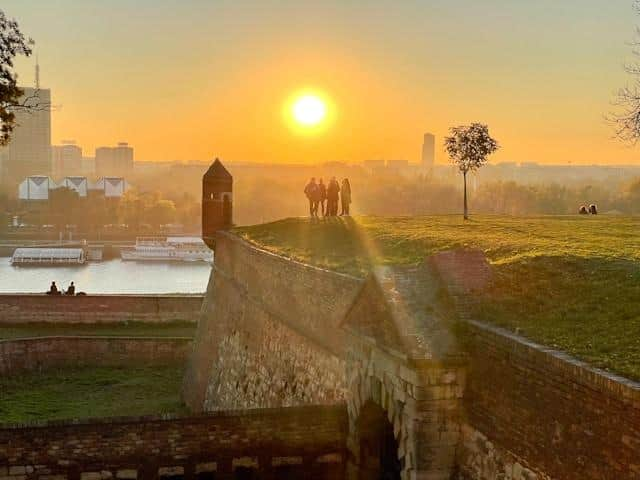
[[108, 277]]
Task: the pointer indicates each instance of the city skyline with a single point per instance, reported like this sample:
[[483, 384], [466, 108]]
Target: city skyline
[[543, 96]]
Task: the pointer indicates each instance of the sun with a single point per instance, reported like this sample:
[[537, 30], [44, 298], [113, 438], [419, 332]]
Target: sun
[[309, 110]]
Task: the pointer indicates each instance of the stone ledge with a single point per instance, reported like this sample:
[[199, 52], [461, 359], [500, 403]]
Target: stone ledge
[[316, 410], [617, 386]]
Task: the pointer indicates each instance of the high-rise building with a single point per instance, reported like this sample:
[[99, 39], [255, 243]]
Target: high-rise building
[[66, 159], [114, 161], [29, 150], [428, 151]]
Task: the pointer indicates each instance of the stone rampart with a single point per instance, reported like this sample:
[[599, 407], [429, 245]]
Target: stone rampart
[[37, 354], [303, 442], [530, 412], [38, 308], [269, 332], [535, 413], [274, 332]]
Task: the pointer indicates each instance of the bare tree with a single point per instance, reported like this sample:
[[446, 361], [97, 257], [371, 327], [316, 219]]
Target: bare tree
[[626, 117], [468, 147], [12, 99]]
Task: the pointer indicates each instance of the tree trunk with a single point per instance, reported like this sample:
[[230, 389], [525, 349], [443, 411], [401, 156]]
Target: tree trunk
[[466, 210]]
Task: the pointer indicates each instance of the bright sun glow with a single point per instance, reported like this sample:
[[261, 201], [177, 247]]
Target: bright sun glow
[[309, 110]]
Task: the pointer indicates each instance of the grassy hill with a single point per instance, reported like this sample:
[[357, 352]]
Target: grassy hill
[[569, 282]]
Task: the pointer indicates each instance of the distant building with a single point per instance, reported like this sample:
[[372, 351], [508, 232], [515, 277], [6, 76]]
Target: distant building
[[39, 187], [66, 159], [110, 187], [114, 161], [398, 165], [428, 151], [88, 166], [36, 187], [80, 185], [29, 150], [374, 166]]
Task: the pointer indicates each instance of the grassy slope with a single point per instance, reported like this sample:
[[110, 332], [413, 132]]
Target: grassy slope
[[91, 392], [569, 282], [131, 329]]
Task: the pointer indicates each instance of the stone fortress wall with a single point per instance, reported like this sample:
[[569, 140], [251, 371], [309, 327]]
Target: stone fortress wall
[[304, 354], [500, 407], [42, 353], [269, 334], [221, 446], [39, 308], [532, 412]]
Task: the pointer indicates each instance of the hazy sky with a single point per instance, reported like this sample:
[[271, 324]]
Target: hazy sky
[[193, 79]]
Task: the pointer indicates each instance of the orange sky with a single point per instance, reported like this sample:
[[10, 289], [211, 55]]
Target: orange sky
[[189, 80]]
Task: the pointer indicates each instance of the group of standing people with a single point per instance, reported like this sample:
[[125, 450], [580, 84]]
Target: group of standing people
[[326, 197]]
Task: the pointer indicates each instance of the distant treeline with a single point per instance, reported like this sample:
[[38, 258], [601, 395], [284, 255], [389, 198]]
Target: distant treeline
[[263, 196]]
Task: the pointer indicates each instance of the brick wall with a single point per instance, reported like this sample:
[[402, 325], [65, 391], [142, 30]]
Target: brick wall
[[276, 443], [269, 334], [534, 413], [29, 308], [17, 356]]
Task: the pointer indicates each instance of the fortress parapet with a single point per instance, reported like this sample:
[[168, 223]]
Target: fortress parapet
[[217, 202]]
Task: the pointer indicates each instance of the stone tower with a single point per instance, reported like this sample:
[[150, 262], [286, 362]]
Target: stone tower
[[217, 201]]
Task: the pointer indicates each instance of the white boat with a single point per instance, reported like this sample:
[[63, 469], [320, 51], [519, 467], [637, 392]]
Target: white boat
[[168, 249], [48, 256]]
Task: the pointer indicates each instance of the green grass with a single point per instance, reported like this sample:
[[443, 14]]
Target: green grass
[[569, 282], [91, 393], [129, 329]]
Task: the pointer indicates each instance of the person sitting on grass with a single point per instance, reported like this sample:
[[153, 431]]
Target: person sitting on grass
[[53, 289]]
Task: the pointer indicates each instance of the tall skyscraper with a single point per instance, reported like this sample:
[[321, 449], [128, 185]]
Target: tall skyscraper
[[114, 161], [66, 159], [29, 150], [428, 151]]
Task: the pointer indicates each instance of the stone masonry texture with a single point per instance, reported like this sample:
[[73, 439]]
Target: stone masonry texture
[[39, 354], [35, 308], [269, 332], [308, 441], [533, 413]]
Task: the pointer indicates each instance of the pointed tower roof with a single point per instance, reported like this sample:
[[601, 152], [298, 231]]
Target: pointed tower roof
[[217, 170]]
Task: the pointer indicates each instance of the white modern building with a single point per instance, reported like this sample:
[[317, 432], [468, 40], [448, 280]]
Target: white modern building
[[37, 187], [111, 187], [80, 185]]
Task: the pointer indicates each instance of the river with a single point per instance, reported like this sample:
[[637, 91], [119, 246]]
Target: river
[[111, 276]]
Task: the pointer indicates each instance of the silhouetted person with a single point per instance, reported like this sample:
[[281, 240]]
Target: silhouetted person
[[345, 196], [71, 290], [322, 197], [53, 289], [593, 210], [333, 190], [583, 210], [311, 191]]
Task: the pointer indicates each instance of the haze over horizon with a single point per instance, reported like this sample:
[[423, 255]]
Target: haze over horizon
[[192, 79]]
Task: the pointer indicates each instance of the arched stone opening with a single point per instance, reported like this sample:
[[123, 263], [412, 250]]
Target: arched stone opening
[[378, 447]]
